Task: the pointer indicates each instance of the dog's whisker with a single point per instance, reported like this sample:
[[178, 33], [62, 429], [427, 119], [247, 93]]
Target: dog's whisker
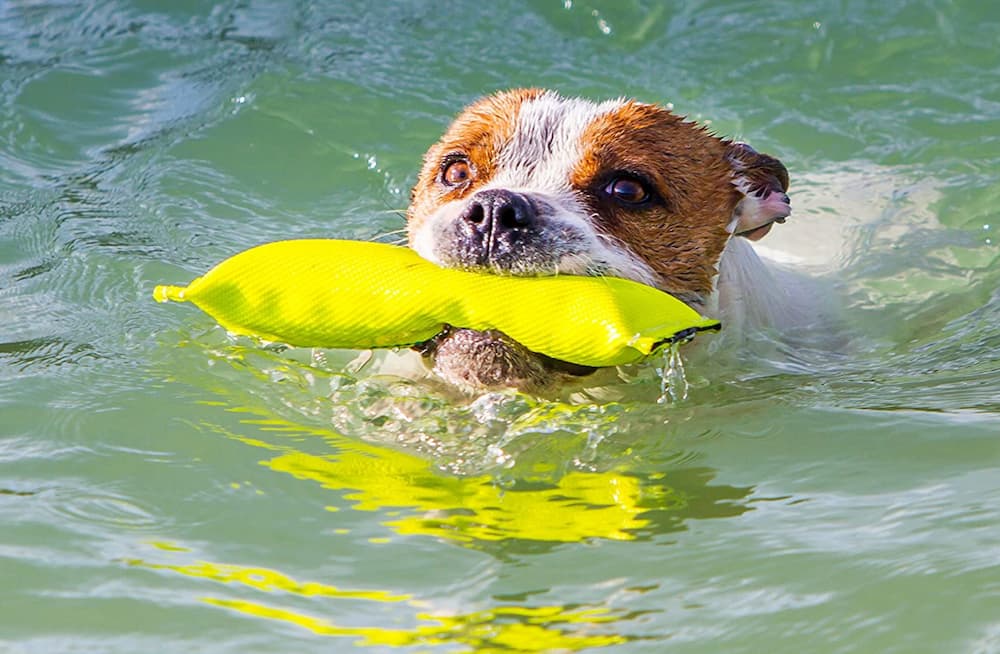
[[395, 237]]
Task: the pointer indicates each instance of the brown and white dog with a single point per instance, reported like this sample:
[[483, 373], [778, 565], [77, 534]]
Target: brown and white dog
[[528, 182]]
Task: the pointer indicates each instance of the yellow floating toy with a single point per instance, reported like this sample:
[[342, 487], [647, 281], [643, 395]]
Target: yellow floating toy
[[360, 295]]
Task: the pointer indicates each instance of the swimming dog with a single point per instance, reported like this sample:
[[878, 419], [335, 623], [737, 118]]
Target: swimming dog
[[528, 182]]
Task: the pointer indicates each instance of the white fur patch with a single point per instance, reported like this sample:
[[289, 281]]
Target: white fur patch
[[753, 293], [547, 143]]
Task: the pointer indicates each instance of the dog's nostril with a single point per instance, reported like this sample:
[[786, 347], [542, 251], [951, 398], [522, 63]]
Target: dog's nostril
[[496, 211], [475, 213], [511, 218]]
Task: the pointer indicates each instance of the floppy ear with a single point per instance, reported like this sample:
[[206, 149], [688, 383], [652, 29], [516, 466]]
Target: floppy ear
[[762, 180]]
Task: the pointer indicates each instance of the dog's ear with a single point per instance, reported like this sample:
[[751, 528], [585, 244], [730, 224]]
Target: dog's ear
[[762, 181]]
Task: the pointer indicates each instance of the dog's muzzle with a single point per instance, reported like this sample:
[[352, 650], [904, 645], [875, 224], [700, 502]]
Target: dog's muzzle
[[495, 228]]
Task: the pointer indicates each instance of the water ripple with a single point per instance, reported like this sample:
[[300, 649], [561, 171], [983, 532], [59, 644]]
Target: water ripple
[[796, 491], [97, 511]]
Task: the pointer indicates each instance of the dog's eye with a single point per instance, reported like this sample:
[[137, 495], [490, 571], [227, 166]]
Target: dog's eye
[[456, 173], [628, 190]]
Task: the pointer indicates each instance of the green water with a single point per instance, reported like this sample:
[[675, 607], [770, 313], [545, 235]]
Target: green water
[[165, 489]]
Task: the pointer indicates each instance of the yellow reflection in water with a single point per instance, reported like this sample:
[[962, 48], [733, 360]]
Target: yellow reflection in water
[[509, 628], [266, 580], [580, 506]]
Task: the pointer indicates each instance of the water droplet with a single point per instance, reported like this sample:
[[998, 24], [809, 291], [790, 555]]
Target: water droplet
[[602, 24], [673, 381]]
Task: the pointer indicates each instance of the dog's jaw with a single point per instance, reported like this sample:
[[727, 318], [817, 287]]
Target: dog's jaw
[[530, 183]]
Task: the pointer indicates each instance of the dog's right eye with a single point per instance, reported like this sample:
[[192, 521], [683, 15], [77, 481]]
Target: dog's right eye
[[456, 173], [628, 190]]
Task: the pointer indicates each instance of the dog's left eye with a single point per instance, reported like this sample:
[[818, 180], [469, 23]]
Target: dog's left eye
[[628, 190]]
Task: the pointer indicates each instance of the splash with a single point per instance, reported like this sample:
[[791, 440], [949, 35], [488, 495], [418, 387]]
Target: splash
[[673, 380]]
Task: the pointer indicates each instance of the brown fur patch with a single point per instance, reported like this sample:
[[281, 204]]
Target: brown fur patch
[[681, 234]]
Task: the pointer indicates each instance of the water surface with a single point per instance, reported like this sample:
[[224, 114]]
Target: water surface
[[165, 488]]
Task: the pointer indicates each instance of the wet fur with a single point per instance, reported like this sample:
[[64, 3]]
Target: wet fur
[[560, 154]]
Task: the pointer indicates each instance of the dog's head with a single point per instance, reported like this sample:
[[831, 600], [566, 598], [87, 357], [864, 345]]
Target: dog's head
[[527, 182]]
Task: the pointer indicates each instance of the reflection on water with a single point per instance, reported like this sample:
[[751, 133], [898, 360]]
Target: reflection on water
[[505, 476], [419, 499], [194, 130], [506, 627], [262, 579]]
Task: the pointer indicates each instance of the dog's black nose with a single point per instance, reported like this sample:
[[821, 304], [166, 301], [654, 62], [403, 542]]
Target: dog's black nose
[[497, 229], [497, 211]]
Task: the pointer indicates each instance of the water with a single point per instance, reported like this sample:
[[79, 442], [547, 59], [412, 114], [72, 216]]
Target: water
[[164, 488]]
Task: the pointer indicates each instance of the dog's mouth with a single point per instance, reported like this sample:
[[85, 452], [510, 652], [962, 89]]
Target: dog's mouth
[[758, 233]]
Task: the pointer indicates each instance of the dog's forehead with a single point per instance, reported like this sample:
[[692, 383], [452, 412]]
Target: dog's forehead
[[547, 141]]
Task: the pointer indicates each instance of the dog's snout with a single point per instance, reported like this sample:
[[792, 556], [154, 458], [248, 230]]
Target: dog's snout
[[504, 231], [497, 211]]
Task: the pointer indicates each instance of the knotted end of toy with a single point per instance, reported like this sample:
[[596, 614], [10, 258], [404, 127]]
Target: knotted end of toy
[[169, 293]]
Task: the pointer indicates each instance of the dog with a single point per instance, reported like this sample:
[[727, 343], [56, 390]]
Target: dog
[[528, 182]]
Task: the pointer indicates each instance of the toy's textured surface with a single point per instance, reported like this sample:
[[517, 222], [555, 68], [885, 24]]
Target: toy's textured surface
[[359, 295]]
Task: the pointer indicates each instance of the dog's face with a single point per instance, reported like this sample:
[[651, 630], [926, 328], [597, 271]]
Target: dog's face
[[527, 182]]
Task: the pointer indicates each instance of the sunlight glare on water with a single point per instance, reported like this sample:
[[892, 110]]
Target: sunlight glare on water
[[166, 487]]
